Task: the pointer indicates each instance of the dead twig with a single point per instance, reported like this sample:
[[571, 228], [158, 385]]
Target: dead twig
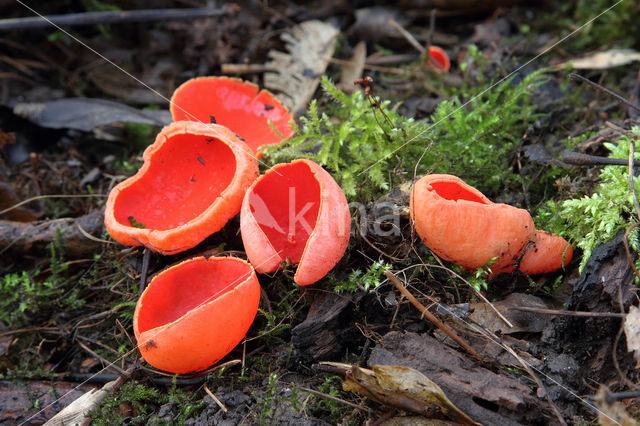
[[217, 401], [568, 313], [604, 90], [109, 364], [578, 159], [431, 317], [334, 398], [110, 17]]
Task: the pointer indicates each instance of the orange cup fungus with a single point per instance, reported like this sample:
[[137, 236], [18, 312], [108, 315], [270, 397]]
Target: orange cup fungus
[[194, 313], [235, 104], [439, 59], [458, 223], [295, 211], [191, 183]]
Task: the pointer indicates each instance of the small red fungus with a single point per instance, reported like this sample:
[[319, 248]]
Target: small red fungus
[[194, 313], [458, 223], [235, 104], [295, 211], [191, 183], [439, 59]]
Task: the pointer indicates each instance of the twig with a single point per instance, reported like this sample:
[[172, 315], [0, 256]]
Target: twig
[[334, 398], [568, 313], [620, 130], [217, 401], [604, 90], [145, 268], [109, 364], [577, 159], [407, 35], [110, 17], [431, 317]]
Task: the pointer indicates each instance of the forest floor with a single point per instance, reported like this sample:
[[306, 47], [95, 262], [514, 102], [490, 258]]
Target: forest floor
[[509, 117]]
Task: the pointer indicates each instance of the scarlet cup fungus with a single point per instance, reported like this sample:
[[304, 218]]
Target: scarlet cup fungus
[[194, 313], [191, 183], [235, 104], [458, 223], [439, 59], [295, 211]]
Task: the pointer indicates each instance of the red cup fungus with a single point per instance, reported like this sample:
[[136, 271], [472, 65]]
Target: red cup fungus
[[194, 313], [458, 223], [191, 183], [235, 104], [439, 59], [295, 211]]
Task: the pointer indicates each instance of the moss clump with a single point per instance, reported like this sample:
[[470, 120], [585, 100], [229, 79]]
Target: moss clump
[[370, 149], [590, 220]]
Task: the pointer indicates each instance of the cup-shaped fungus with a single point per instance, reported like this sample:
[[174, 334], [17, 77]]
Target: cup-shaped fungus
[[235, 104], [458, 223], [439, 59], [191, 183], [194, 313], [295, 211]]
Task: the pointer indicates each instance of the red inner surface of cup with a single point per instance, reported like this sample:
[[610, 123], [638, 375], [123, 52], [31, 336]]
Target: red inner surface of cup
[[183, 180]]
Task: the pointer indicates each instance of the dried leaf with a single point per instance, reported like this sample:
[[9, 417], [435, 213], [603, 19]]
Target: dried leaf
[[75, 413], [86, 114], [603, 60], [352, 70], [632, 330], [522, 321], [310, 45], [611, 413], [403, 388]]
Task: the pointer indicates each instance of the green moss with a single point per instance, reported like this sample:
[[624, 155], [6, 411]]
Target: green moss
[[591, 220], [370, 149]]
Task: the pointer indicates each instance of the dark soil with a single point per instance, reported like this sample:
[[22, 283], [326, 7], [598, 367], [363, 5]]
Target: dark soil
[[59, 341]]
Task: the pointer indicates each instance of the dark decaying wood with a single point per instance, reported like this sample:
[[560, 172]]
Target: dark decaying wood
[[317, 337], [590, 340], [34, 237]]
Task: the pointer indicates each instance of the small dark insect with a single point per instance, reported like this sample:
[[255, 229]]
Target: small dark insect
[[268, 107], [192, 178], [240, 137], [135, 223], [212, 119], [209, 139], [201, 160], [367, 84]]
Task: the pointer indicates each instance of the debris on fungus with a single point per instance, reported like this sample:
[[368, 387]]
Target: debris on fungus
[[235, 104], [295, 211], [194, 313], [191, 183], [458, 223]]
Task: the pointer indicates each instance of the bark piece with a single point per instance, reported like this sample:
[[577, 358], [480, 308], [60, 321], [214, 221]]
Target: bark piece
[[35, 237], [317, 337], [310, 46], [485, 396]]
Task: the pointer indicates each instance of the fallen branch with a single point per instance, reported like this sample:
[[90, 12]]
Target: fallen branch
[[109, 17]]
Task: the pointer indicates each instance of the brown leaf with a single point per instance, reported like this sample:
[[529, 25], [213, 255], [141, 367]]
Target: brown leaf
[[404, 388], [632, 330], [310, 46]]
